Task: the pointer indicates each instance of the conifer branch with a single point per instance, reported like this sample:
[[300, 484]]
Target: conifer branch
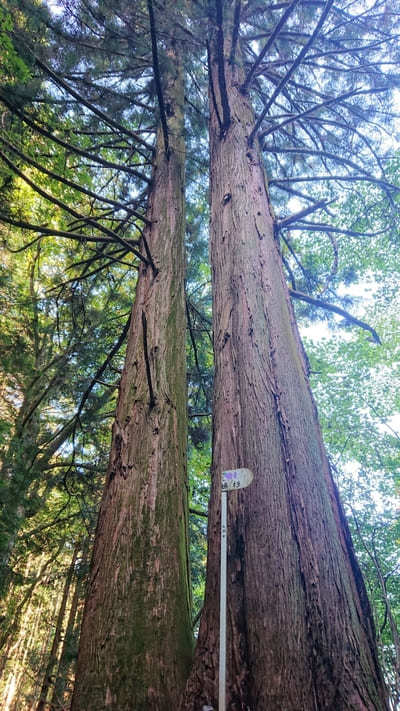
[[314, 109], [70, 183], [325, 227], [70, 147], [293, 67], [340, 160], [50, 231], [286, 221], [51, 198], [114, 350], [81, 99], [383, 184], [268, 45], [337, 310]]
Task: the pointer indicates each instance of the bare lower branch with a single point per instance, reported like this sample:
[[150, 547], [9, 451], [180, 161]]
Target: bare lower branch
[[157, 76], [43, 230], [114, 350], [286, 221], [152, 400], [198, 513], [337, 310], [268, 45], [226, 112], [293, 67]]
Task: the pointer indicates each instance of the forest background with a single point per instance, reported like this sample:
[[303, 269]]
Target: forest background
[[81, 99]]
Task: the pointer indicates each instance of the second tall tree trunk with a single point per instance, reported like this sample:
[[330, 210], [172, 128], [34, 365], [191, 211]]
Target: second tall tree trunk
[[136, 640], [300, 632]]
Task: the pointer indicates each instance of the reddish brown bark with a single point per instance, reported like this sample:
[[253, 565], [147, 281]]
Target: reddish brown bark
[[136, 639], [300, 631]]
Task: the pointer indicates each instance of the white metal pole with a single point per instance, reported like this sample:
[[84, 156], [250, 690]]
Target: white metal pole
[[222, 607]]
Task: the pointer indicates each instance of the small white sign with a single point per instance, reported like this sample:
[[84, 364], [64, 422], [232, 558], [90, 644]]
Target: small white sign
[[236, 479]]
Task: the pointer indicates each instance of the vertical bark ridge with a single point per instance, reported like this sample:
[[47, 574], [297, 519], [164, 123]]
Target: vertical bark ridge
[[136, 637]]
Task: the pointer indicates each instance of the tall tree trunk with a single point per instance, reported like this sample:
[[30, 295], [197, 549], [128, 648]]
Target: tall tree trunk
[[52, 660], [136, 640], [300, 630]]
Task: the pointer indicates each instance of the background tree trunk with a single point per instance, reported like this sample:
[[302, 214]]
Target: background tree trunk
[[70, 642], [136, 642], [300, 630], [52, 660]]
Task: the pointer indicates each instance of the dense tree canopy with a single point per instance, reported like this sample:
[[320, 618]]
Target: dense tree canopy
[[90, 121]]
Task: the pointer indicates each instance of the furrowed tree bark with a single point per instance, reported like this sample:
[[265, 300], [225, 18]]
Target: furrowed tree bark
[[136, 643], [300, 630]]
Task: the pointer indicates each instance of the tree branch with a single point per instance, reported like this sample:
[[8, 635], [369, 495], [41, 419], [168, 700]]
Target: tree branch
[[70, 183], [198, 513], [71, 148], [106, 119], [294, 66], [43, 230], [157, 77], [114, 350], [268, 45], [286, 221], [194, 346], [383, 184], [94, 223], [152, 400], [226, 112], [337, 310]]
